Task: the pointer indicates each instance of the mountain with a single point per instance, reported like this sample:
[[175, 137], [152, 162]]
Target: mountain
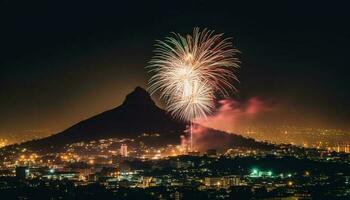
[[138, 114]]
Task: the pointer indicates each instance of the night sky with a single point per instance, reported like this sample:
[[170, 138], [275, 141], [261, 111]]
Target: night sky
[[62, 62]]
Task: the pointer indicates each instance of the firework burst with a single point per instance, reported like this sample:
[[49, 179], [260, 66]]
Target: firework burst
[[189, 71], [194, 101]]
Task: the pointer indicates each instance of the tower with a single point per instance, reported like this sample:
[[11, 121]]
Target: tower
[[124, 150], [22, 172]]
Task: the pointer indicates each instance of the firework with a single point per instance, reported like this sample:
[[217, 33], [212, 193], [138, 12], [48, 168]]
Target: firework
[[189, 71], [194, 101]]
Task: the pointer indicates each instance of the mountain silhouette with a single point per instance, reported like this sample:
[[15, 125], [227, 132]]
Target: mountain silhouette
[[138, 114]]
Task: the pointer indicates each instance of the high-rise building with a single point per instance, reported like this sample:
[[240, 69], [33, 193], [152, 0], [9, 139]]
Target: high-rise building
[[22, 172], [124, 150], [178, 195]]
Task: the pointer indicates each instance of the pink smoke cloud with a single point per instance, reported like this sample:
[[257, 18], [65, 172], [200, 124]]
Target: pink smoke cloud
[[232, 115]]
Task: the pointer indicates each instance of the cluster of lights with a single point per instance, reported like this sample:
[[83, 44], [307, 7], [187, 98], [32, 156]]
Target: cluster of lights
[[255, 172], [32, 158]]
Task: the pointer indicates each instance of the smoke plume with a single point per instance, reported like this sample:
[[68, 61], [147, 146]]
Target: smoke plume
[[232, 116]]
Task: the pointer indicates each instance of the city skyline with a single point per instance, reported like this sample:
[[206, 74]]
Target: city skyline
[[174, 100]]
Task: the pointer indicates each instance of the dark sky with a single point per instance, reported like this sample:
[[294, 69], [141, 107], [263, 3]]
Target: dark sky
[[64, 61]]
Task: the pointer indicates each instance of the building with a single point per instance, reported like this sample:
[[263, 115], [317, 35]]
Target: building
[[229, 181], [222, 182], [177, 195], [124, 150], [146, 182], [22, 172], [256, 173], [213, 181], [62, 175]]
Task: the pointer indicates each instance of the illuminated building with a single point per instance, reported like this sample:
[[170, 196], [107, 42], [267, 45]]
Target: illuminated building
[[256, 173], [229, 181], [178, 195], [146, 181], [222, 182], [62, 175], [124, 150]]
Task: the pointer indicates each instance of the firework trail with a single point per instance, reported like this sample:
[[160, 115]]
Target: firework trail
[[189, 71]]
